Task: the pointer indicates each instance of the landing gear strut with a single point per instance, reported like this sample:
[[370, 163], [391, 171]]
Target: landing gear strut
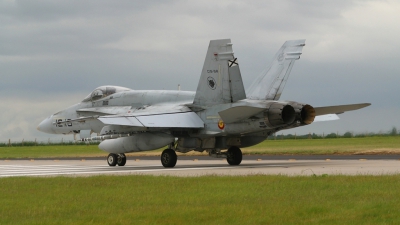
[[114, 159], [168, 158], [234, 156]]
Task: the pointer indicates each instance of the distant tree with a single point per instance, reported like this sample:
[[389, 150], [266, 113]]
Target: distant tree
[[393, 132], [347, 134], [289, 136], [331, 135], [316, 136], [359, 135]]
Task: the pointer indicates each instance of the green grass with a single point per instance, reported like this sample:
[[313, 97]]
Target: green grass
[[367, 145], [50, 151], [201, 200]]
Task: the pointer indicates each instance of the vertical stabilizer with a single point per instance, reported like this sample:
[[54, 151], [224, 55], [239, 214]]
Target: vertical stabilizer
[[269, 85], [220, 81]]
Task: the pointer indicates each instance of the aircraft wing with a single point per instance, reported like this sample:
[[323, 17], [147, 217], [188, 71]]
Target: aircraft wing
[[133, 111], [338, 109], [168, 120], [162, 116], [111, 110]]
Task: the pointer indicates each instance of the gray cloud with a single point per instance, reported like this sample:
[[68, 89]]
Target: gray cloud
[[64, 49]]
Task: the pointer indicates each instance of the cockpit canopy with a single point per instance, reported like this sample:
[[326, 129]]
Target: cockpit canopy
[[104, 91]]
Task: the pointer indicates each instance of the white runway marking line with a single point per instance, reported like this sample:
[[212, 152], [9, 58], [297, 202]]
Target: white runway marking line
[[20, 170], [64, 166], [107, 171], [47, 170]]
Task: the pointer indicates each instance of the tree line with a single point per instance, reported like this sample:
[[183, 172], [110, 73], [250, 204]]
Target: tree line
[[393, 132]]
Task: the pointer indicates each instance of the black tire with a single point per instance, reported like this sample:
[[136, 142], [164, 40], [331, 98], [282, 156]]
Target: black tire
[[234, 156], [121, 161], [112, 159], [168, 158]]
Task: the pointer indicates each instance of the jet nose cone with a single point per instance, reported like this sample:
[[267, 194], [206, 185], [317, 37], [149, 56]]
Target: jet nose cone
[[46, 126]]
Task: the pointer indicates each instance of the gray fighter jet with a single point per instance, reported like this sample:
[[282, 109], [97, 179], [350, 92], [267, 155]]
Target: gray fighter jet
[[219, 118]]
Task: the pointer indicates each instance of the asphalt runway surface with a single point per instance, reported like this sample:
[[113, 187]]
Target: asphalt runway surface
[[203, 166]]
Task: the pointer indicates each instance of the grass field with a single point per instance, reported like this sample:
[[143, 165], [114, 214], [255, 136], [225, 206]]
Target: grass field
[[367, 145], [256, 199], [50, 151], [201, 200]]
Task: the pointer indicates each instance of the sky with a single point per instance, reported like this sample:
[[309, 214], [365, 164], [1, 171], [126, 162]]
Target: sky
[[53, 53]]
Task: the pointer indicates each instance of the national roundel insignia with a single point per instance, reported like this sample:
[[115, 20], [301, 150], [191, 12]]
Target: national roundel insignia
[[221, 124]]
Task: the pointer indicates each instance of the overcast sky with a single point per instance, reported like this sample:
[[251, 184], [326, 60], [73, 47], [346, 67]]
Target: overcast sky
[[54, 53]]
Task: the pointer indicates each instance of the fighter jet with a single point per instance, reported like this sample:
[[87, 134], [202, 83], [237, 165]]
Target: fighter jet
[[219, 118]]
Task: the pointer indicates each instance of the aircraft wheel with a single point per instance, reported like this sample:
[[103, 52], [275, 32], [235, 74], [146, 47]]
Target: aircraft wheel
[[121, 161], [112, 159], [168, 158], [234, 156]]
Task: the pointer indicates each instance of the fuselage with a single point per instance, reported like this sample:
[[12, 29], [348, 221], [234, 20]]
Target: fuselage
[[267, 115], [124, 102]]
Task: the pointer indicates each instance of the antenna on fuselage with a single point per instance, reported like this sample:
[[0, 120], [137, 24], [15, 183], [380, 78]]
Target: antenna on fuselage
[[179, 87]]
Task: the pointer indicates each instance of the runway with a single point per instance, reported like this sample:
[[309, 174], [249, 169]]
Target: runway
[[202, 166]]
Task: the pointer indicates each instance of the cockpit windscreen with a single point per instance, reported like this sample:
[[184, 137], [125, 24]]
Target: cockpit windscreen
[[104, 91]]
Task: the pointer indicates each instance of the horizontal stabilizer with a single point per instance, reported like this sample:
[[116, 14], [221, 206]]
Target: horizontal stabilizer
[[172, 120], [327, 117], [338, 108]]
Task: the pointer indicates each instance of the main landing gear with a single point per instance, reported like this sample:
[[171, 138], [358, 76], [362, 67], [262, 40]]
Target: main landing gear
[[116, 159], [234, 156], [168, 158]]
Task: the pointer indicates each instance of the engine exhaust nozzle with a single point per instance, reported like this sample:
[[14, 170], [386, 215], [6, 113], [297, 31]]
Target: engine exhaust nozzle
[[280, 114]]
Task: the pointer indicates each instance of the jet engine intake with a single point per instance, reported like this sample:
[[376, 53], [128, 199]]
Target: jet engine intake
[[279, 114]]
